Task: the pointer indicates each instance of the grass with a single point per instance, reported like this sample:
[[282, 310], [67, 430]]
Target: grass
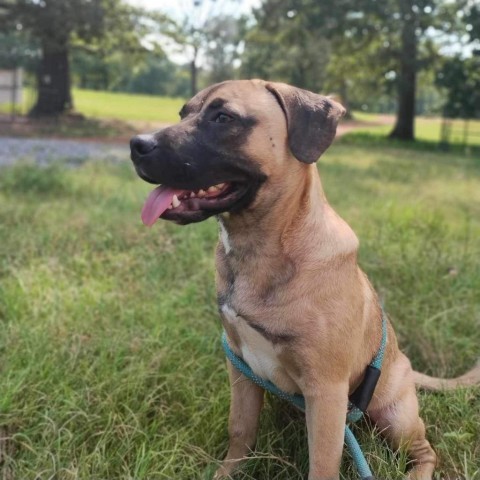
[[119, 106], [110, 356], [105, 115], [427, 129], [124, 106], [156, 111]]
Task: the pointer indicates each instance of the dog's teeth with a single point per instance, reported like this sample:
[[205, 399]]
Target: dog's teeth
[[220, 186], [192, 194], [212, 189], [175, 201], [201, 193]]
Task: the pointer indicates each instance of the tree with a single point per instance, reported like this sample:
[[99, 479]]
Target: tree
[[279, 47], [223, 37], [460, 77], [407, 58], [17, 50], [405, 24], [149, 71], [395, 28], [472, 20], [52, 23], [206, 28], [406, 28], [57, 24]]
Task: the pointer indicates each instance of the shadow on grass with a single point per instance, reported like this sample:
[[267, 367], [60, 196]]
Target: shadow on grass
[[66, 126]]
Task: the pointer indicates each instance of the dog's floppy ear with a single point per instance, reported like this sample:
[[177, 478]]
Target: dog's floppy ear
[[311, 120]]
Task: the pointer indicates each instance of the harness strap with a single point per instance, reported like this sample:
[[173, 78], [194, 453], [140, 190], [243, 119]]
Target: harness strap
[[359, 399], [363, 394]]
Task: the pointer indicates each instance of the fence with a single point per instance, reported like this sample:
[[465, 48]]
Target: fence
[[459, 131]]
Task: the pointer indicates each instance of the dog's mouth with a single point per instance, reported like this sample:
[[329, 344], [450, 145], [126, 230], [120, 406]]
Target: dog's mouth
[[185, 206]]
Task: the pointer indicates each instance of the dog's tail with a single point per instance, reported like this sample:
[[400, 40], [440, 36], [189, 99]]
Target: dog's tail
[[471, 378]]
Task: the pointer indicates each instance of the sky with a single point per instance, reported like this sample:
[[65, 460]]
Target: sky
[[177, 7], [198, 10]]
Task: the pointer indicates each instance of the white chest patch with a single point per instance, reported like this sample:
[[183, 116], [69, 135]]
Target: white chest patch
[[224, 237], [257, 351]]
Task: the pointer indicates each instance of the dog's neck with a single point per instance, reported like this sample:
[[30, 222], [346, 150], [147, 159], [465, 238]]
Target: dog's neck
[[269, 229]]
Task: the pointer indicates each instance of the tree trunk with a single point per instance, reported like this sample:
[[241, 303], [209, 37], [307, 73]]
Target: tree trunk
[[53, 83], [193, 72], [343, 90], [406, 82]]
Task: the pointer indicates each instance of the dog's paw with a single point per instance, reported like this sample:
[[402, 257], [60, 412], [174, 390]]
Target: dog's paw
[[225, 471]]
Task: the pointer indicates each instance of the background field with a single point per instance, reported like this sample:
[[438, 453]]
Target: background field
[[426, 128], [158, 110], [110, 356], [118, 106], [123, 106]]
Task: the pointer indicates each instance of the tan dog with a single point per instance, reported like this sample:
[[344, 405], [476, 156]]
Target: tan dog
[[293, 300]]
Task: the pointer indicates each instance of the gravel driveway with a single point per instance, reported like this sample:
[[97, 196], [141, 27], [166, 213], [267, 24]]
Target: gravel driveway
[[45, 150]]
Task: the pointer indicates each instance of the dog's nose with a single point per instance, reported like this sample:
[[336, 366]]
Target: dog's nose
[[140, 145]]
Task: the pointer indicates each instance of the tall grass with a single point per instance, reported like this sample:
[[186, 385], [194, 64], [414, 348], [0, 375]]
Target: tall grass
[[110, 357]]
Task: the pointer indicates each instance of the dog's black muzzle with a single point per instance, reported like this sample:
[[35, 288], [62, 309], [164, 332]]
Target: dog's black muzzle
[[190, 158], [184, 159]]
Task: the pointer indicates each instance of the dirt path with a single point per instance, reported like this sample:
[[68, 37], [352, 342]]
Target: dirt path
[[47, 150]]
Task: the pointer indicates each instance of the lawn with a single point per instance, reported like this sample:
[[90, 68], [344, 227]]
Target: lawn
[[427, 129], [110, 350], [124, 106], [155, 111], [118, 106]]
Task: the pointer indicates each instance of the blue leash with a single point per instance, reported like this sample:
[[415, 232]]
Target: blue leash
[[358, 400]]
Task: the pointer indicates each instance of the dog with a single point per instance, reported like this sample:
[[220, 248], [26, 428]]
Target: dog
[[293, 301]]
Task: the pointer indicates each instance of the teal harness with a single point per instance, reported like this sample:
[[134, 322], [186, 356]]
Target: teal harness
[[358, 400]]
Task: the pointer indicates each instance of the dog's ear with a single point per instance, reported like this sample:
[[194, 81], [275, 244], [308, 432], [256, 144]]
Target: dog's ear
[[311, 120]]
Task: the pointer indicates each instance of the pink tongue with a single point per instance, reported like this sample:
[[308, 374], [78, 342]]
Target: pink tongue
[[157, 202]]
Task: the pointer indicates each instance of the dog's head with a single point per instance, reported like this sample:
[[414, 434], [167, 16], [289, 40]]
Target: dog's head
[[233, 139]]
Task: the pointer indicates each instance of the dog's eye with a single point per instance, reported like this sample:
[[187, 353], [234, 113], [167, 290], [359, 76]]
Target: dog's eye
[[222, 118]]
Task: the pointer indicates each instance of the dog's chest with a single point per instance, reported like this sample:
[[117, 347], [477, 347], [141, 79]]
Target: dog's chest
[[259, 353]]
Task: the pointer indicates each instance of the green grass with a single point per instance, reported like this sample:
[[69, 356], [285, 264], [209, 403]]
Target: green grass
[[124, 106], [426, 129], [157, 110], [118, 106], [110, 356]]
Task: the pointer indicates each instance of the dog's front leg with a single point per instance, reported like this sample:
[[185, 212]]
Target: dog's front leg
[[245, 406], [326, 410]]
